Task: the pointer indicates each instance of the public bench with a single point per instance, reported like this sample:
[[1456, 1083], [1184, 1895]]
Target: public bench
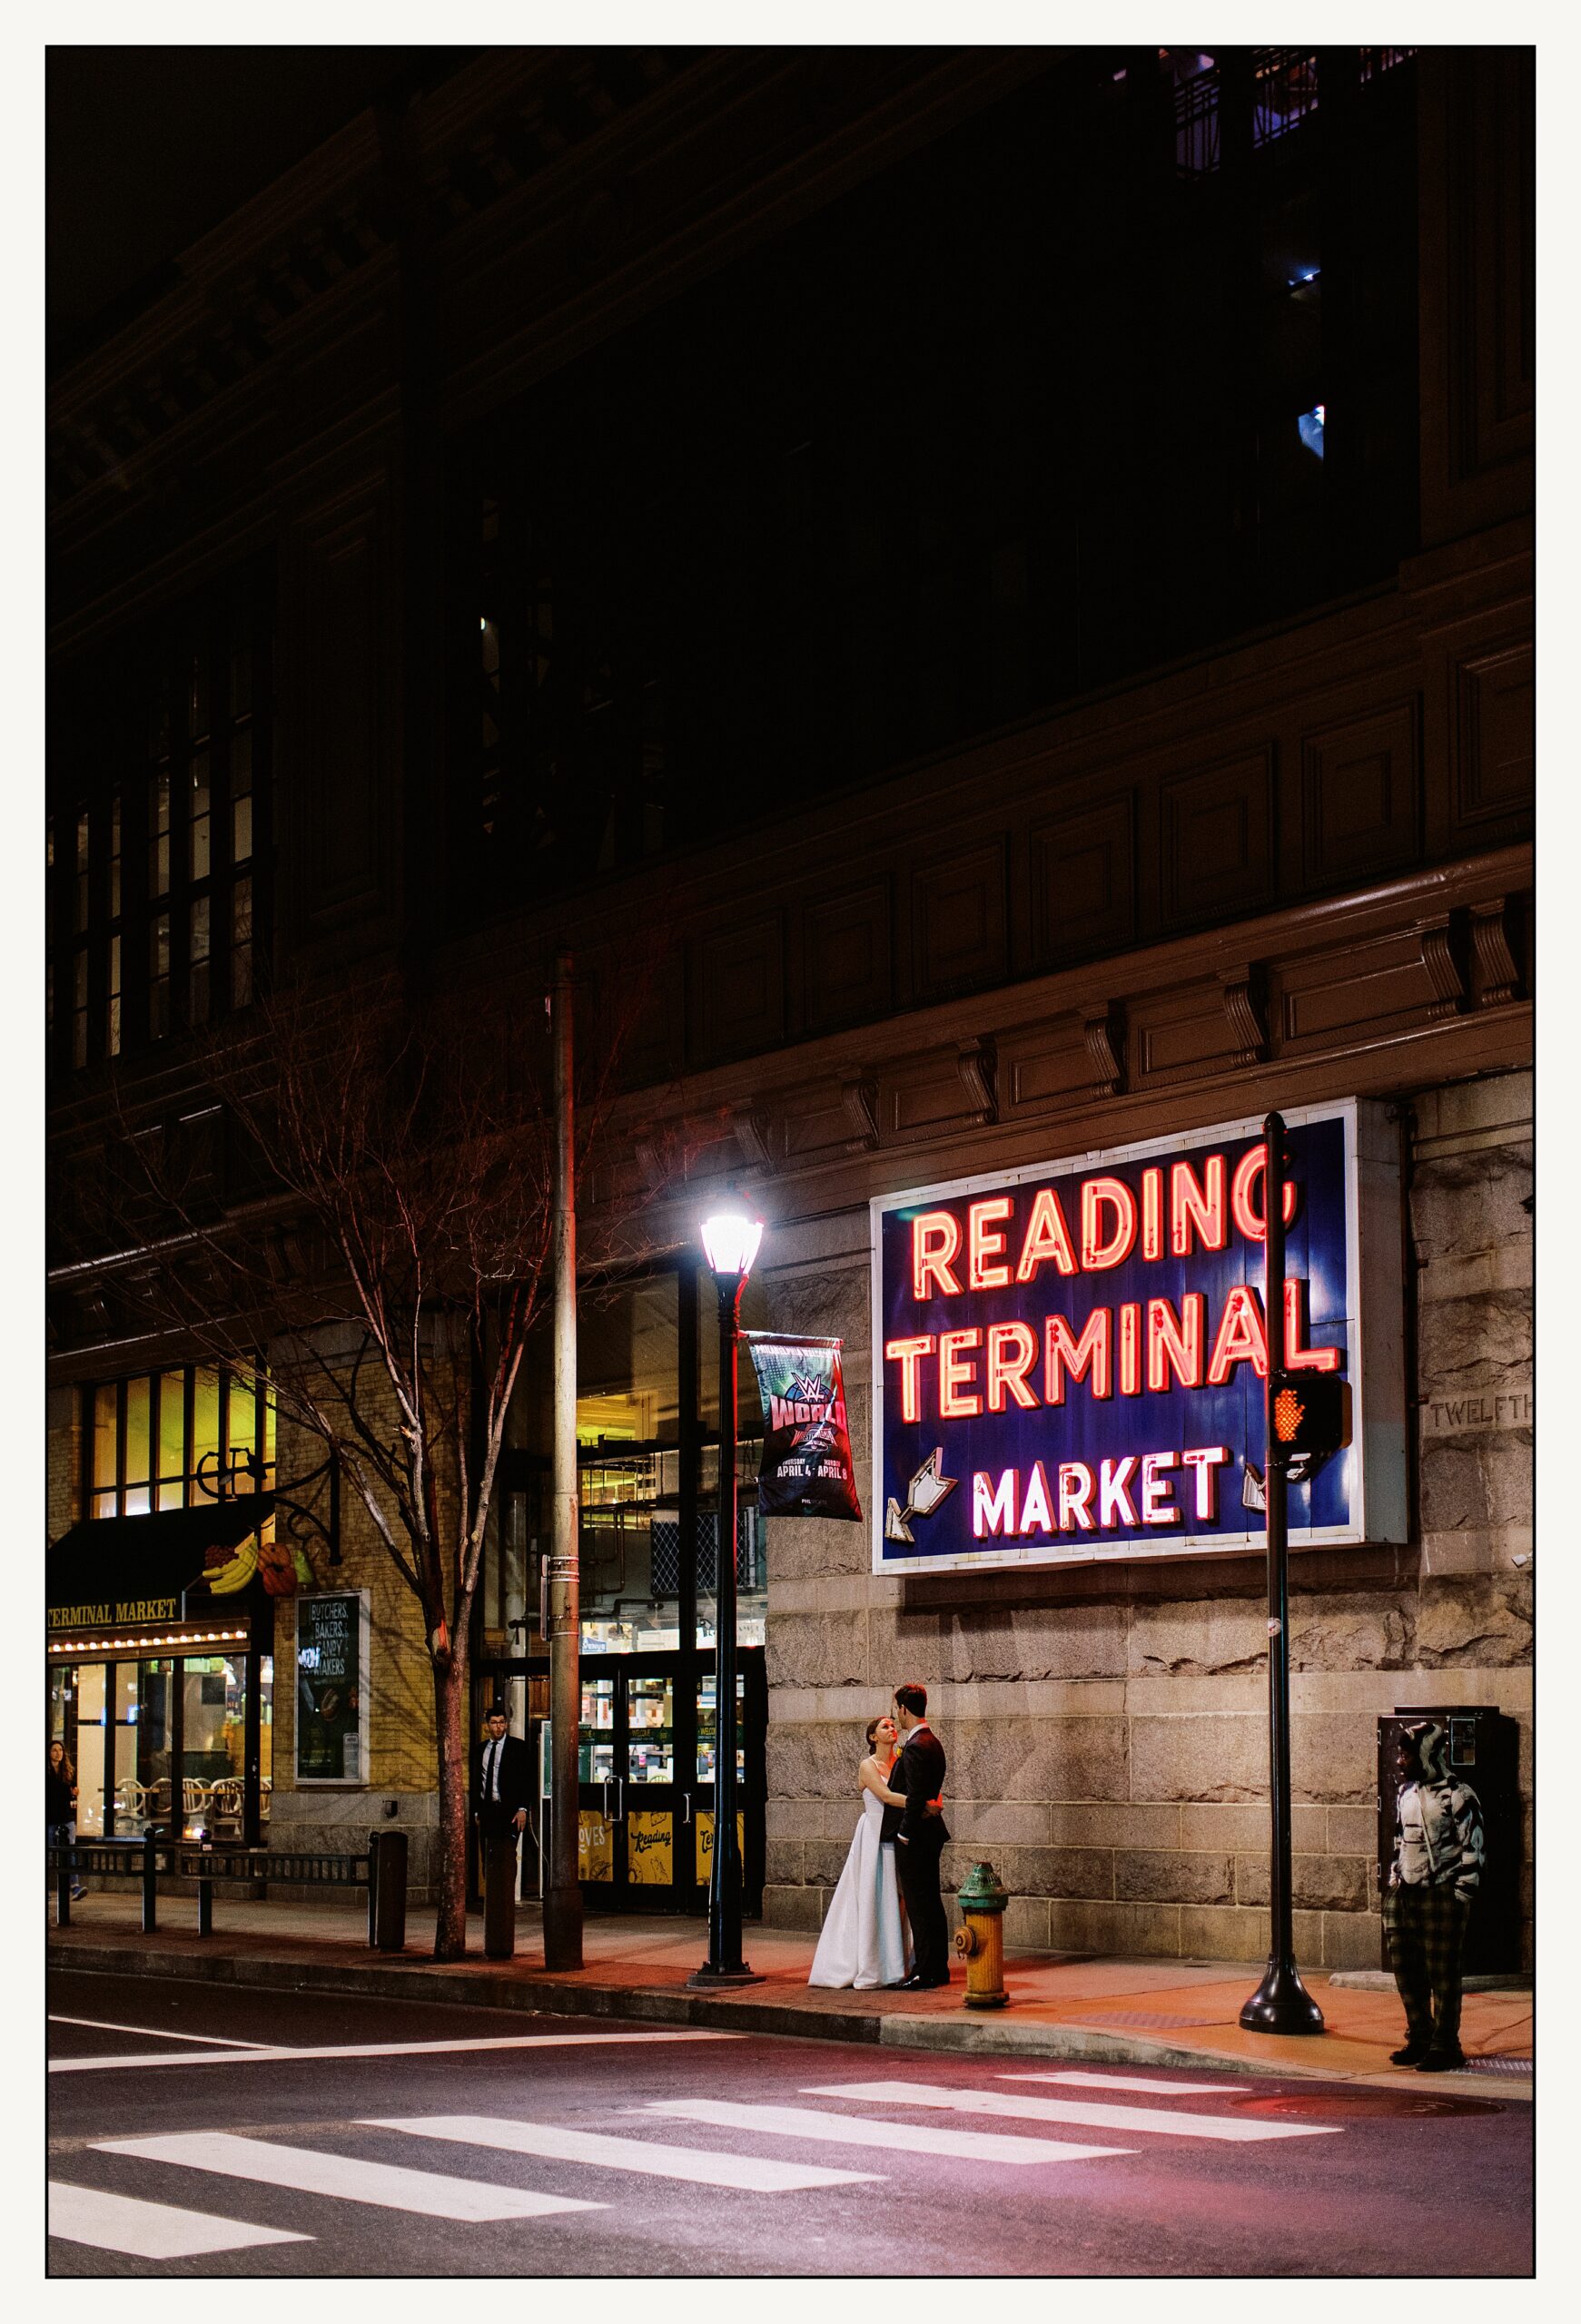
[[381, 1869]]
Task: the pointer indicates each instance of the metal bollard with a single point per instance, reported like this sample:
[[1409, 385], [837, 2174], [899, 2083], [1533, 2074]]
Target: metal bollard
[[499, 1898], [149, 1884], [983, 1898], [63, 1888], [206, 1894], [387, 1853]]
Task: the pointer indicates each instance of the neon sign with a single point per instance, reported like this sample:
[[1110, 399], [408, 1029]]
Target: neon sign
[[1069, 1361]]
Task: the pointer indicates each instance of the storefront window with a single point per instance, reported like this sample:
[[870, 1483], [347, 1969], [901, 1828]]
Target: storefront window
[[213, 1750], [595, 1739], [93, 1727], [142, 1785], [167, 1440], [265, 1734]]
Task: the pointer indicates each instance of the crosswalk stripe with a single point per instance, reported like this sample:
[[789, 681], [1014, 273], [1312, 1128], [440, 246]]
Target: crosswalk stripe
[[859, 2130], [428, 2192], [1134, 2082], [1083, 2112], [149, 2231], [158, 2032], [559, 2144], [260, 2057]]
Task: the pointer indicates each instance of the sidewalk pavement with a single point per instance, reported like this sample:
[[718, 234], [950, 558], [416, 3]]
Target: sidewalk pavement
[[1101, 2010]]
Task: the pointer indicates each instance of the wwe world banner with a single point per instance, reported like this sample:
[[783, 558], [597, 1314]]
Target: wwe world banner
[[807, 1469], [1070, 1359]]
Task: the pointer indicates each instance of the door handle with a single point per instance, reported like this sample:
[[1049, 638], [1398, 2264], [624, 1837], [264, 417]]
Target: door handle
[[618, 1783], [685, 1809]]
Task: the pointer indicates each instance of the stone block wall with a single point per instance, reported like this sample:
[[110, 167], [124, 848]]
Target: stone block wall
[[1107, 1728], [63, 1462], [398, 1712]]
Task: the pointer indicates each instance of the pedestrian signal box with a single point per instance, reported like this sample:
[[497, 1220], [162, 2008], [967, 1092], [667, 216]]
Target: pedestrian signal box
[[1312, 1415]]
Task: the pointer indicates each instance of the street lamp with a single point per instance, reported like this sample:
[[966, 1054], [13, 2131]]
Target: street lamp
[[730, 1241]]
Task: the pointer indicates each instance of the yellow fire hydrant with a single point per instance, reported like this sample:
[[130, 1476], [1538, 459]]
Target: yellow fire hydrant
[[983, 1898]]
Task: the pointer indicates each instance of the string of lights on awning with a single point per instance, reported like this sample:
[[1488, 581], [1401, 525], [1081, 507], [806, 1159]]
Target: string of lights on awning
[[71, 1645]]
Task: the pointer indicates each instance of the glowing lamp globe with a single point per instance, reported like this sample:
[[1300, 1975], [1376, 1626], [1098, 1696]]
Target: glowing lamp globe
[[730, 1240]]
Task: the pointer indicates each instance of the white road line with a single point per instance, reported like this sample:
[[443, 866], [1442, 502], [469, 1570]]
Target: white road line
[[428, 2192], [1134, 2082], [867, 2131], [378, 2050], [1083, 2112], [157, 2033], [559, 2144], [149, 2231]]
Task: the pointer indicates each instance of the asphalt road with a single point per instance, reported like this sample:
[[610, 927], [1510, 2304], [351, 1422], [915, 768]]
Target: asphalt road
[[586, 2147]]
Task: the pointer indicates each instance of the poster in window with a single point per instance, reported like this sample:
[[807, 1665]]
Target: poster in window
[[328, 1690]]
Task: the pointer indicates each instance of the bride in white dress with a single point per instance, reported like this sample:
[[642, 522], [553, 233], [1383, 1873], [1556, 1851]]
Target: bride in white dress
[[863, 1943]]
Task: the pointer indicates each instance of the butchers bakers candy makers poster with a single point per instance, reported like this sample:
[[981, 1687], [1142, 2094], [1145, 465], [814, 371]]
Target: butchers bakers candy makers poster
[[1068, 1360]]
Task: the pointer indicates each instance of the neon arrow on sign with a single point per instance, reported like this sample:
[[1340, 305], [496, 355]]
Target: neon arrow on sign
[[927, 1489]]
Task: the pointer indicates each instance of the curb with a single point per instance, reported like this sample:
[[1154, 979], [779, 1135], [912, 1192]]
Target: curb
[[963, 2036]]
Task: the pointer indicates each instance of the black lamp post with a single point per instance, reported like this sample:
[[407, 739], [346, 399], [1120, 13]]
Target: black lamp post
[[1281, 2003], [730, 1241]]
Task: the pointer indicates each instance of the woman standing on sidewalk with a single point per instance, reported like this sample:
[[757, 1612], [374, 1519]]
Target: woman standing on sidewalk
[[863, 1943], [60, 1826]]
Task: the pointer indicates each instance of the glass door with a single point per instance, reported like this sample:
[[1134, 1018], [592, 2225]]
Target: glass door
[[656, 1838], [600, 1863]]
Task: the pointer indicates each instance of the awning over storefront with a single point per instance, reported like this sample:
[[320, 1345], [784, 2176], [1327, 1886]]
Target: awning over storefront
[[140, 1573]]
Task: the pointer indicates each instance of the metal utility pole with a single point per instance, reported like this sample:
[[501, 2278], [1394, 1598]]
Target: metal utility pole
[[562, 1907], [730, 1261], [1281, 2003]]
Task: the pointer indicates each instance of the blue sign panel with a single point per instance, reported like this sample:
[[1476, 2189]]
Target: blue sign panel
[[1068, 1363]]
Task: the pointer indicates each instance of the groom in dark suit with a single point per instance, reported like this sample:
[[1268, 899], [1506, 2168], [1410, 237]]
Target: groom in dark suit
[[919, 1835]]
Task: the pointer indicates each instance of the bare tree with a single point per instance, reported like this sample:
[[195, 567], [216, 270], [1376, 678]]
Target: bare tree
[[393, 1261]]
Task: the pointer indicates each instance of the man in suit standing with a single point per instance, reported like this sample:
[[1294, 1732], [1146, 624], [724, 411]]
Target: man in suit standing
[[919, 1835], [502, 1784]]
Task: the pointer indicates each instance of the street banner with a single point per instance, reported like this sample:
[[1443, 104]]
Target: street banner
[[807, 1469]]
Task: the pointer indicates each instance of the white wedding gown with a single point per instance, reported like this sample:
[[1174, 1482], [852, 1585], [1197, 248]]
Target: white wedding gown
[[861, 1944]]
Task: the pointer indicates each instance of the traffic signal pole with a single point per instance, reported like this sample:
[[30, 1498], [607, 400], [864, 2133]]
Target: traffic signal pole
[[1281, 2003]]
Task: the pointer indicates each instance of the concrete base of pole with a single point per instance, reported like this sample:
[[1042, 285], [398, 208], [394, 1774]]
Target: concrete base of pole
[[562, 1928], [708, 1980]]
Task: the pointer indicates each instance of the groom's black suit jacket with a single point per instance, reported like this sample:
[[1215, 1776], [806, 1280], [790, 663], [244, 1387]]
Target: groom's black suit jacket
[[919, 1772]]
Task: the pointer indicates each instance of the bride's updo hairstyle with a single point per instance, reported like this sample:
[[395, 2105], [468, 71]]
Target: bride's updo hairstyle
[[872, 1732]]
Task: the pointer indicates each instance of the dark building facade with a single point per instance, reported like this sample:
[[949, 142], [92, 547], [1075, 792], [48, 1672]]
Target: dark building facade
[[993, 589]]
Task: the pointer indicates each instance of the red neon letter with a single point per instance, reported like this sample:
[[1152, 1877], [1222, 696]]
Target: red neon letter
[[1241, 1337], [1115, 1504], [1013, 1350], [1193, 1204], [1153, 1214], [1035, 1508], [1248, 1171], [1047, 1237], [993, 1505], [1299, 1356], [1207, 1460], [935, 1239], [958, 1397], [1157, 1507], [1075, 1496], [984, 1244], [1172, 1344], [908, 1355], [1131, 1350], [1063, 1351], [1096, 1253]]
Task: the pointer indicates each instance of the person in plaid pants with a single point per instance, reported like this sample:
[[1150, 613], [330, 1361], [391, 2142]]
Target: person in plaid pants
[[1438, 1863]]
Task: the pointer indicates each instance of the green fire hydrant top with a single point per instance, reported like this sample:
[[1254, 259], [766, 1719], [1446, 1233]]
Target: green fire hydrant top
[[982, 1891]]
